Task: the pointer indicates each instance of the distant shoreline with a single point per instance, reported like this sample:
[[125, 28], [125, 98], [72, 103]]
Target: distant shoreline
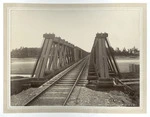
[[116, 57], [126, 57]]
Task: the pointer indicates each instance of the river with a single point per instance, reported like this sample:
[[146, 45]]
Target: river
[[24, 66]]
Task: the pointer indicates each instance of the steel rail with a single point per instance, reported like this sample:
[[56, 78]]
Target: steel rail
[[32, 99], [78, 77]]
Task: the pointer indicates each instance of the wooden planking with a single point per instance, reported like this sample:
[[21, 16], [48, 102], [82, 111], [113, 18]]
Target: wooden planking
[[34, 70], [46, 57], [102, 58], [105, 57], [37, 72], [134, 68], [98, 66], [55, 59], [63, 56], [51, 57]]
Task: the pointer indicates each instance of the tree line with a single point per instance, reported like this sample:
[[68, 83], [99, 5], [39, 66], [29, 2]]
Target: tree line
[[24, 52], [125, 52]]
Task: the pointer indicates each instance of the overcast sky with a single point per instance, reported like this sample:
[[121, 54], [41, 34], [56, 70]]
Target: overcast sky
[[77, 26]]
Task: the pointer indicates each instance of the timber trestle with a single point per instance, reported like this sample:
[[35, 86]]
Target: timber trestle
[[56, 55], [103, 69]]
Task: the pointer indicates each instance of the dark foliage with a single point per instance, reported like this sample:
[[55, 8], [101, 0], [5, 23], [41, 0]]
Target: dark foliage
[[125, 52], [24, 52]]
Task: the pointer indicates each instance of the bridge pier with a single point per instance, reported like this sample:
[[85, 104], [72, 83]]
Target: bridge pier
[[102, 68]]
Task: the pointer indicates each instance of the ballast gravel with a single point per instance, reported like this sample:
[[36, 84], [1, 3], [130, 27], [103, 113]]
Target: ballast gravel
[[82, 96]]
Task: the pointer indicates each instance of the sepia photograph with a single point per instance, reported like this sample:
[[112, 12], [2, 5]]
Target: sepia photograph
[[75, 58]]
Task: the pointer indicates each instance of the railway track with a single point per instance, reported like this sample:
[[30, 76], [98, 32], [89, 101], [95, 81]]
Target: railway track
[[59, 91]]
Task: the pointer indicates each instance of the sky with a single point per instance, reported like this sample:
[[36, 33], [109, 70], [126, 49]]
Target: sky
[[76, 25]]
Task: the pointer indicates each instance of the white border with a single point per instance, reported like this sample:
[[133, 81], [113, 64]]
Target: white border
[[74, 114], [139, 9]]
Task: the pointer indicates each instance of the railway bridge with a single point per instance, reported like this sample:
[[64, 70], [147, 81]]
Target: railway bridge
[[61, 67]]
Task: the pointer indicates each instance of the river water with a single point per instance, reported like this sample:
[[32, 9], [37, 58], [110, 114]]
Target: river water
[[24, 66]]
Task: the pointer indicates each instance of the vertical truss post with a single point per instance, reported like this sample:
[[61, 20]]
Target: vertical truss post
[[102, 56], [41, 65]]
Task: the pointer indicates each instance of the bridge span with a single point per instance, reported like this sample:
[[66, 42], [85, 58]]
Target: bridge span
[[61, 67]]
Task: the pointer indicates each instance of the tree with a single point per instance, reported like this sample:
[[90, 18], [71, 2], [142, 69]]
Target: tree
[[124, 52]]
